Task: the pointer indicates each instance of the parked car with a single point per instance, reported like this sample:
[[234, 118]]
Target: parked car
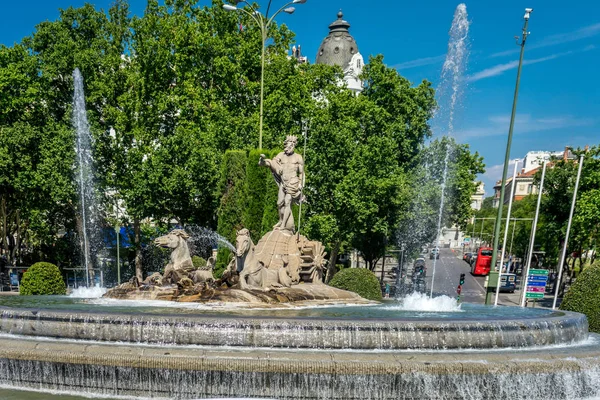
[[467, 257], [435, 253], [508, 283]]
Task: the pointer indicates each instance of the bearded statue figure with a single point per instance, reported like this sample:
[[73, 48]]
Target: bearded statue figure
[[288, 171]]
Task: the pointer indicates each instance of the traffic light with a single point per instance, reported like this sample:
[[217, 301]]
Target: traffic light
[[462, 279]]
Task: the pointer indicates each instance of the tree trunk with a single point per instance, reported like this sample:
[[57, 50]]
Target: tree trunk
[[332, 259], [4, 231], [138, 249], [18, 252]]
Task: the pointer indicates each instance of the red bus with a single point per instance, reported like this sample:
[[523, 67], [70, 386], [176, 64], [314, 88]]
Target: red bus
[[483, 262]]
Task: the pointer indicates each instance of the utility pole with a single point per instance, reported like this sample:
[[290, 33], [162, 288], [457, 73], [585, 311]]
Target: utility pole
[[509, 141]]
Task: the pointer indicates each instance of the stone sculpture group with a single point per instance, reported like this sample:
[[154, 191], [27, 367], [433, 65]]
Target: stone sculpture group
[[283, 266]]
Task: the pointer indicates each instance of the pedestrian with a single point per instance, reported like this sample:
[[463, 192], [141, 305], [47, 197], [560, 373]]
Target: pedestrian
[[387, 290]]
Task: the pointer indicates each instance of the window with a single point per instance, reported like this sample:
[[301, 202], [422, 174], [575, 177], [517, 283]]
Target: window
[[529, 189]]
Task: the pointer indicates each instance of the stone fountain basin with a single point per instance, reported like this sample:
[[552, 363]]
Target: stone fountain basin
[[325, 332], [184, 372]]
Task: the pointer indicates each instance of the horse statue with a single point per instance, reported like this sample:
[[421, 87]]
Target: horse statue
[[205, 274], [180, 261], [254, 274]]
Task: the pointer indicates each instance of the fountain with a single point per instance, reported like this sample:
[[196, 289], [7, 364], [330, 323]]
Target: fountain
[[276, 331], [269, 335], [451, 83], [87, 219]]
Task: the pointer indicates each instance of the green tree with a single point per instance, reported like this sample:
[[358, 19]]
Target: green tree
[[233, 201], [256, 187]]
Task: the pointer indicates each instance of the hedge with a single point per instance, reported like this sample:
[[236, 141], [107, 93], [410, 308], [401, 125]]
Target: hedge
[[257, 178], [584, 296], [232, 194], [42, 278], [358, 280], [270, 213]]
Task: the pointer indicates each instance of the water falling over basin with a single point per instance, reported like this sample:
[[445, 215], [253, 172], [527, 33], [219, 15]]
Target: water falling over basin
[[377, 327]]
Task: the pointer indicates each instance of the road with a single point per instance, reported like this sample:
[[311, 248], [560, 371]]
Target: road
[[447, 274]]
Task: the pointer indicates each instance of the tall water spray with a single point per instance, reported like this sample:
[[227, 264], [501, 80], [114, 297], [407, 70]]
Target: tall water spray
[[450, 90], [87, 220]]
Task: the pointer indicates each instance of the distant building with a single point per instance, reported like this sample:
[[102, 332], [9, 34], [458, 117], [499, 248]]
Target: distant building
[[340, 48], [477, 197], [297, 54], [524, 181]]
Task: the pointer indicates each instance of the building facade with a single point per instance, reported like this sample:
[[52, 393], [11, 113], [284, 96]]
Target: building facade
[[339, 48], [524, 186]]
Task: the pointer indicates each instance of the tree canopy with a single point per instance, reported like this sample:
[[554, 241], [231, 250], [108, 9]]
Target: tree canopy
[[171, 91]]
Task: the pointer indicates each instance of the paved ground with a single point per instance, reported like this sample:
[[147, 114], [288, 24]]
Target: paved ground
[[447, 274]]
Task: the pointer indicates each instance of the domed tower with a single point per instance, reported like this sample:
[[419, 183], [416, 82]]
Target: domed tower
[[340, 48]]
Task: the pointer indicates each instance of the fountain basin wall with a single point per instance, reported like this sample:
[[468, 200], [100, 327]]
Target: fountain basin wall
[[186, 373], [310, 333]]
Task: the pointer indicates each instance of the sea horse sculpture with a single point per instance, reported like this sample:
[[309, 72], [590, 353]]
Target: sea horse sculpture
[[180, 261]]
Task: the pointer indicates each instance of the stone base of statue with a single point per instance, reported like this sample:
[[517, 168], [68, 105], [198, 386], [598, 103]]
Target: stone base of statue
[[304, 294], [283, 267]]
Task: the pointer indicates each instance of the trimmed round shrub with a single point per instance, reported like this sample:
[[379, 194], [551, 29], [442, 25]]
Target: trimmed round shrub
[[42, 278], [584, 296], [358, 280]]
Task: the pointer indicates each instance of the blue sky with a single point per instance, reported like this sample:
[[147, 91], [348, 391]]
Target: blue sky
[[559, 98]]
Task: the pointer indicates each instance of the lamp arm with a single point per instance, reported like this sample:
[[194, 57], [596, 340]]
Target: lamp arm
[[252, 15], [277, 12]]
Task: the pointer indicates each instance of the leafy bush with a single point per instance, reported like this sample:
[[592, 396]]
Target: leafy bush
[[198, 262], [42, 278], [358, 280], [584, 296]]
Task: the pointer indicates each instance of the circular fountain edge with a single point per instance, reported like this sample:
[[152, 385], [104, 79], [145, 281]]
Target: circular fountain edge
[[316, 333], [158, 371]]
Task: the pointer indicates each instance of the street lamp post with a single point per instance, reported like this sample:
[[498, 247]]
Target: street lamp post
[[509, 141], [263, 22]]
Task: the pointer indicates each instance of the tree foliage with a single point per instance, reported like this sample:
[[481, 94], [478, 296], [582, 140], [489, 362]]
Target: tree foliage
[[233, 200], [169, 93]]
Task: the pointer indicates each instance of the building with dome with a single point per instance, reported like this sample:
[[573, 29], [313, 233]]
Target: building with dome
[[340, 48]]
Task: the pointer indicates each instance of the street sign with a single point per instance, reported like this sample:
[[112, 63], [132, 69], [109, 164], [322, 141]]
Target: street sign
[[536, 283]]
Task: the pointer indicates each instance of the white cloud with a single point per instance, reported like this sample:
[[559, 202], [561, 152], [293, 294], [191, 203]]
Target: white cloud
[[500, 68], [553, 40], [420, 62], [497, 125]]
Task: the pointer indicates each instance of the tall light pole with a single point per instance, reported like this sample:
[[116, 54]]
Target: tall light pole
[[509, 141], [263, 22]]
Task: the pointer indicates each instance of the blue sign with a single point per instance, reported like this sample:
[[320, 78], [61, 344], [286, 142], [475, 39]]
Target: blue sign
[[538, 278], [536, 283], [533, 283], [14, 279]]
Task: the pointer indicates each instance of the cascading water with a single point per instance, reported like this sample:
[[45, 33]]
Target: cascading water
[[88, 219], [450, 90]]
